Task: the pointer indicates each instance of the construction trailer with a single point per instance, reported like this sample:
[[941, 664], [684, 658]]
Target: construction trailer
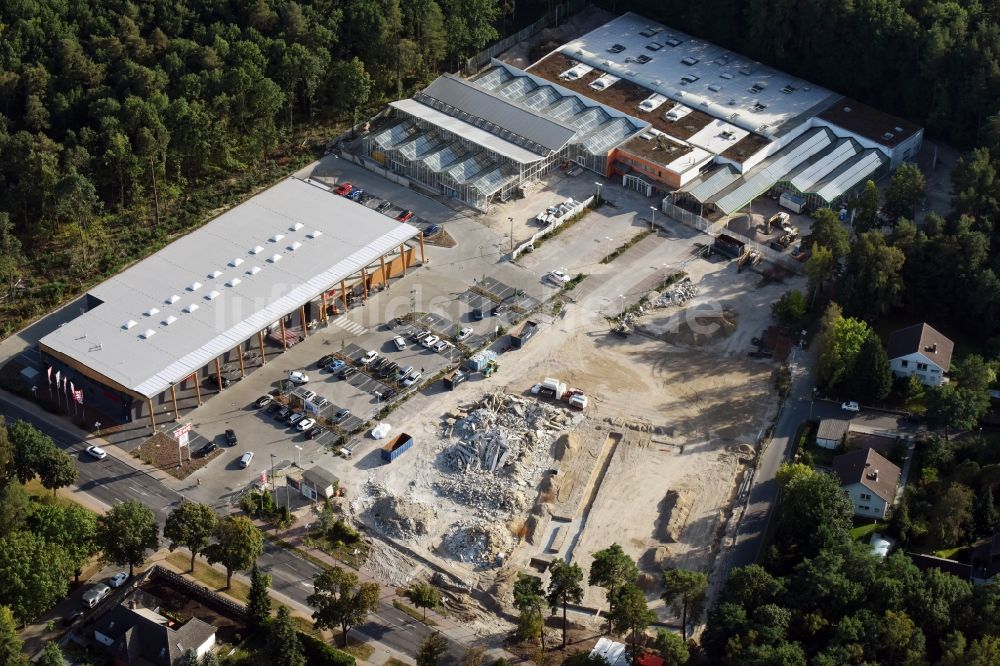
[[396, 447]]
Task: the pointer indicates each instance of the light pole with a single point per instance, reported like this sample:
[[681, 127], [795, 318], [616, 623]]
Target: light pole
[[511, 220], [378, 406], [273, 489], [598, 183], [413, 303], [298, 456], [652, 220]]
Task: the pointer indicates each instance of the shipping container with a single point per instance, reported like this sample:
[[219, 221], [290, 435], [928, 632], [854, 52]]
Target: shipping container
[[453, 379], [729, 246], [396, 447], [794, 203], [478, 361], [523, 333]]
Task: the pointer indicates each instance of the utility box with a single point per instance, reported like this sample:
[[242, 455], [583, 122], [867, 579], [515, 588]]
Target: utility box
[[396, 447], [523, 333]]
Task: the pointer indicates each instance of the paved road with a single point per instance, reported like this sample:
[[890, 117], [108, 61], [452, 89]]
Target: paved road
[[111, 480]]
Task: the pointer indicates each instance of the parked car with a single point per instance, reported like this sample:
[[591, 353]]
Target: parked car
[[343, 189], [368, 358], [430, 341], [399, 342], [263, 401], [441, 345], [420, 335], [321, 402], [97, 452], [403, 373], [230, 437], [412, 379], [348, 372], [851, 406], [463, 334], [118, 579], [315, 432], [377, 364], [405, 216], [355, 194], [296, 417], [274, 407], [305, 424], [298, 377], [335, 365], [432, 230], [388, 394], [388, 371], [500, 308], [559, 277], [324, 361], [308, 395], [246, 459], [205, 450], [341, 415], [283, 413], [71, 618], [95, 595]]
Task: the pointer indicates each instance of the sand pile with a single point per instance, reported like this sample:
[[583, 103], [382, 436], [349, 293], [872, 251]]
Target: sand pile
[[478, 542], [675, 509]]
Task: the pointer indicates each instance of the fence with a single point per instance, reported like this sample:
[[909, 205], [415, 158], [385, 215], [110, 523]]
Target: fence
[[558, 14], [685, 216], [548, 229], [201, 593]]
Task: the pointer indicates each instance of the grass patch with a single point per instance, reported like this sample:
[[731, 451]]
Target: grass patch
[[413, 612], [303, 554], [862, 532], [625, 246], [357, 649], [949, 553], [42, 495], [392, 661], [344, 552], [214, 579]]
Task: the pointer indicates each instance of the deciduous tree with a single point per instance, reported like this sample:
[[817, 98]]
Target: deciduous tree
[[424, 596], [51, 655], [126, 532], [238, 542], [828, 231], [672, 648], [10, 640], [873, 282], [191, 526], [341, 600], [30, 447], [35, 574], [71, 527], [906, 191], [789, 310], [434, 647], [870, 379], [57, 470], [866, 209]]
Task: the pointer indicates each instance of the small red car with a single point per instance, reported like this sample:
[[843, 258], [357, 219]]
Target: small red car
[[405, 215], [344, 189]]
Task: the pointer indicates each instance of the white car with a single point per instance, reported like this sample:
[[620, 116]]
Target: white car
[[298, 377], [97, 452], [245, 459], [305, 424], [399, 342], [430, 341], [308, 395], [441, 346], [118, 579], [412, 379], [463, 334], [559, 277], [368, 358], [851, 406]]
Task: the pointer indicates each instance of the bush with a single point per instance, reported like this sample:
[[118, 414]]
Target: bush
[[319, 653]]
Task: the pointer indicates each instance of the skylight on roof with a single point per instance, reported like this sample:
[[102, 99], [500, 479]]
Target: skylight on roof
[[253, 270], [169, 320], [194, 286], [129, 324], [256, 249], [212, 295], [236, 262], [173, 298], [147, 334], [191, 308], [214, 274], [233, 282], [296, 226], [151, 311], [277, 237], [274, 258], [315, 234], [294, 246]]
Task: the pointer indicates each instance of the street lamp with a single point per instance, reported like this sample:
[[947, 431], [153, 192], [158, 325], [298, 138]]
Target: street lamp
[[511, 220], [298, 456], [652, 220], [598, 183], [97, 427], [273, 489]]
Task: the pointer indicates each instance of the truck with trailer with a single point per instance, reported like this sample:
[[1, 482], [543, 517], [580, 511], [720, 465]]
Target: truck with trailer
[[396, 447], [524, 332], [555, 389]]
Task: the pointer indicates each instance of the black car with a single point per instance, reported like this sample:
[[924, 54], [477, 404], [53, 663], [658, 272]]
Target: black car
[[230, 437], [205, 450], [72, 617], [388, 393], [389, 370], [500, 307], [347, 372], [341, 415], [315, 432], [215, 380], [262, 401], [432, 230], [325, 361], [274, 407], [283, 413]]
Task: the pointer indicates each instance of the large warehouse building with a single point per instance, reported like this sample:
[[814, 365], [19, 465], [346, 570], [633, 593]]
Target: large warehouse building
[[663, 110], [244, 286]]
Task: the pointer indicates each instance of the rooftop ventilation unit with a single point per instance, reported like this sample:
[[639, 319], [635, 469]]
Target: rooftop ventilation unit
[[212, 295], [169, 320], [294, 246], [147, 334], [899, 129], [315, 234], [726, 75], [215, 274], [788, 90], [296, 226], [689, 61], [253, 270], [194, 286], [191, 308], [236, 262], [651, 31], [888, 136], [256, 249], [616, 48], [714, 88], [654, 46], [847, 109], [129, 324], [173, 298], [643, 59], [673, 42], [151, 311], [277, 237], [233, 282], [274, 258]]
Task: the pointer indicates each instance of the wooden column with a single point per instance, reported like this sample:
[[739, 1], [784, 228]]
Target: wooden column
[[423, 259], [284, 341], [402, 257], [324, 315], [343, 294], [385, 279], [152, 416], [364, 282], [243, 370], [173, 396], [260, 341], [218, 373], [197, 386], [302, 320]]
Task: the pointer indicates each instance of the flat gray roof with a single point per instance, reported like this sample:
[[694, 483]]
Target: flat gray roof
[[177, 310]]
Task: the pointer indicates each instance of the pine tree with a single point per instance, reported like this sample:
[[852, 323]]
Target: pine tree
[[283, 645], [259, 601]]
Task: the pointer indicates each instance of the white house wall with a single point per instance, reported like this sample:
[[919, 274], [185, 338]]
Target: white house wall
[[932, 376], [865, 502]]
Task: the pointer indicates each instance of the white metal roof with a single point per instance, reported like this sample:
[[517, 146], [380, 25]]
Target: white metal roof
[[850, 174], [146, 353], [467, 131], [805, 177]]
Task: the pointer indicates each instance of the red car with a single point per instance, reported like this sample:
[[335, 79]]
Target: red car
[[405, 215], [344, 189]]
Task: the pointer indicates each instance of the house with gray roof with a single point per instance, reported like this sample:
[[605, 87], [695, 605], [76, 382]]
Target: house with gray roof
[[135, 632]]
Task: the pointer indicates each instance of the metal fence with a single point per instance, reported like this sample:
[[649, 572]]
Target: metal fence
[[685, 216], [558, 14], [549, 228]]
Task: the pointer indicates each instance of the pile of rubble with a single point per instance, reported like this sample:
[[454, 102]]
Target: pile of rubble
[[399, 517], [478, 542], [678, 294]]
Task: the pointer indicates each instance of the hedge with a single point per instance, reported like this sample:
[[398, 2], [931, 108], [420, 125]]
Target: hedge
[[319, 653]]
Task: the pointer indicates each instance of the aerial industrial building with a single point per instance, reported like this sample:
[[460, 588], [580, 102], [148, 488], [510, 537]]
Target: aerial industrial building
[[663, 110], [249, 283]]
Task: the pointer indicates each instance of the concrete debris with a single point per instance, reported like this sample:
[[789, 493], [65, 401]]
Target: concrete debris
[[399, 517], [478, 542]]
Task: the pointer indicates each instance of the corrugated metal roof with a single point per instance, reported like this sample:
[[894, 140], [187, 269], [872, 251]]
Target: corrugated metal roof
[[707, 185], [467, 131], [352, 236], [806, 176], [850, 174], [476, 101]]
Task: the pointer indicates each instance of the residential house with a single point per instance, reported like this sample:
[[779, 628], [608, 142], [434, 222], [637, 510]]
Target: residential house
[[831, 432], [920, 351], [985, 560], [135, 633], [869, 479]]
